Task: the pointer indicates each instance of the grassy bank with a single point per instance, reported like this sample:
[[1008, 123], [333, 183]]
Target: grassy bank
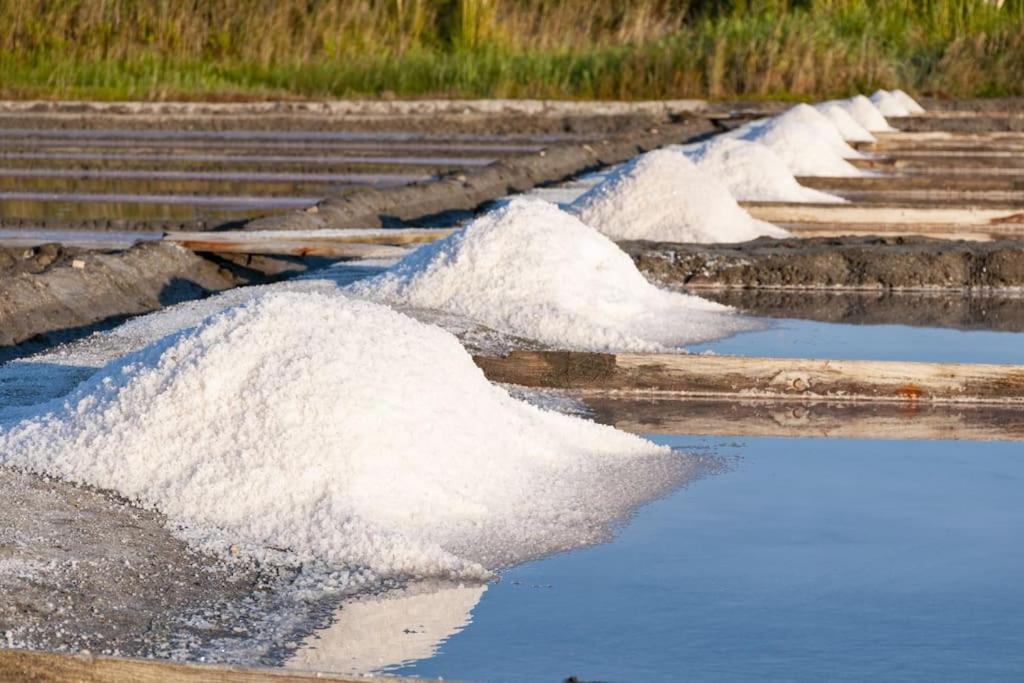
[[168, 49]]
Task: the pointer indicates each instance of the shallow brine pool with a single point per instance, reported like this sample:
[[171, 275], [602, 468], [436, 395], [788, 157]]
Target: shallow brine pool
[[803, 559]]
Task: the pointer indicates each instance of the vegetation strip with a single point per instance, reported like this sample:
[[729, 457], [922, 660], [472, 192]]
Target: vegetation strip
[[579, 49]]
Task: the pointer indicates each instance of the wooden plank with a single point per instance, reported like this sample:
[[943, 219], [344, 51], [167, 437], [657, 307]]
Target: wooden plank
[[938, 183], [746, 378], [945, 136], [938, 232], [938, 159], [394, 237], [45, 667], [840, 214], [332, 243], [850, 420], [283, 247]]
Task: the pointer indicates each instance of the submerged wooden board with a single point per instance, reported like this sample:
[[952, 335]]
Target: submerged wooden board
[[737, 377], [842, 420], [46, 667]]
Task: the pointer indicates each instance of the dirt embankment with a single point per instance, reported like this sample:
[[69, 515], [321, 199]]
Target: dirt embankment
[[866, 263], [77, 290], [62, 295], [460, 194]]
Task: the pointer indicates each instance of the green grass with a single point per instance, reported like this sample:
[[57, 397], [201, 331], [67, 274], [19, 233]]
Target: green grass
[[616, 49]]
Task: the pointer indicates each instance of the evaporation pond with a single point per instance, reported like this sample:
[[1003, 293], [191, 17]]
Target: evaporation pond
[[837, 341], [803, 560]]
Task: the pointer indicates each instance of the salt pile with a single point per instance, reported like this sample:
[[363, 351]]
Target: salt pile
[[889, 104], [806, 140], [752, 171], [864, 112], [848, 128], [533, 270], [663, 196], [343, 431], [911, 105]]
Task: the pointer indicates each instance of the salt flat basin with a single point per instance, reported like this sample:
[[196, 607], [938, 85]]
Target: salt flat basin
[[806, 560]]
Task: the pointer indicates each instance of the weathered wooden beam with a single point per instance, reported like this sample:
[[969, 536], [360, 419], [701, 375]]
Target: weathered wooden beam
[[46, 667], [938, 232], [842, 214], [335, 243], [746, 378], [842, 420], [937, 183]]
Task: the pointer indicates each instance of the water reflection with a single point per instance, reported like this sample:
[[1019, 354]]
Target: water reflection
[[394, 629]]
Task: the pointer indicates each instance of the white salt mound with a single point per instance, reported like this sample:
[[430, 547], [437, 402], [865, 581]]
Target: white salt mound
[[343, 431], [848, 128], [806, 140], [864, 112], [752, 172], [907, 101], [532, 270], [663, 196], [889, 104]]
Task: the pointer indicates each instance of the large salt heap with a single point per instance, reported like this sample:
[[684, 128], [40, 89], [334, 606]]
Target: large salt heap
[[890, 104], [909, 103], [848, 127], [532, 270], [340, 430], [752, 172], [806, 140], [663, 196], [864, 112]]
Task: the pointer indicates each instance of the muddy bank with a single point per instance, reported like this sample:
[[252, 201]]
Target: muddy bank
[[81, 569], [76, 293], [872, 263], [458, 195], [958, 310]]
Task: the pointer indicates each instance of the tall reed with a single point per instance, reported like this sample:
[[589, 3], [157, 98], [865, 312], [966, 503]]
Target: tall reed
[[517, 48]]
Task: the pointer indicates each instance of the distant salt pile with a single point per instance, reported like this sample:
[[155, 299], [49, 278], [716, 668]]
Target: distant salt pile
[[806, 140], [533, 270], [889, 104], [342, 431], [663, 196], [848, 128], [912, 106], [752, 171], [864, 112]]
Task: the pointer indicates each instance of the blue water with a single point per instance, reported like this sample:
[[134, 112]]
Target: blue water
[[808, 339], [806, 560]]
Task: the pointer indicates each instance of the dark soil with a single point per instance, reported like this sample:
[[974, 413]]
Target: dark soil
[[850, 263], [69, 294], [34, 260]]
